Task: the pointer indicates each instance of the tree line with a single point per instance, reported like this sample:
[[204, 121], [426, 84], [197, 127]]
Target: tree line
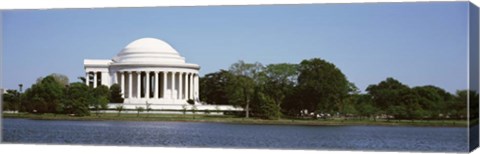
[[312, 87], [54, 94], [318, 87]]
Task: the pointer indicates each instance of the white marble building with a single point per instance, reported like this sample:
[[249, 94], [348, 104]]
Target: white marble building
[[148, 70]]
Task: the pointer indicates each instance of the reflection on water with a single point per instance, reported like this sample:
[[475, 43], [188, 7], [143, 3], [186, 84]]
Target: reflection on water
[[191, 134]]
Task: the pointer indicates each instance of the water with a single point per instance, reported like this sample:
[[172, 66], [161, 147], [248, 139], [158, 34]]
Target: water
[[191, 134]]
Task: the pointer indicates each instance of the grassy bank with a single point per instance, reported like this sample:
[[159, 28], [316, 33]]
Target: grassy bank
[[236, 120]]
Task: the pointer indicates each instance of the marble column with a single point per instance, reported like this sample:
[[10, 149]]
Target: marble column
[[94, 79], [173, 85], [187, 86], [122, 74], [180, 88], [116, 78], [139, 79], [196, 89], [130, 84], [164, 91], [87, 79], [190, 83]]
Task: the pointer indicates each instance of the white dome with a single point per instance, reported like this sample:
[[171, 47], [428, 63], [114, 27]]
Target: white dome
[[149, 51], [150, 44]]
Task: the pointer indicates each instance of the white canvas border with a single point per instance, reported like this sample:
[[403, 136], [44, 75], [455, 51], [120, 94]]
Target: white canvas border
[[62, 4]]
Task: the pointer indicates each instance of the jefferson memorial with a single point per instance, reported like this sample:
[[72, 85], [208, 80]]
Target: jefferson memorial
[[149, 70]]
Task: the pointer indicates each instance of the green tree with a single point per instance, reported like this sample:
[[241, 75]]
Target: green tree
[[184, 109], [280, 81], [240, 92], [100, 98], [148, 108], [139, 109], [411, 103], [433, 100], [44, 96], [213, 87], [82, 79], [115, 94], [322, 85], [250, 70], [267, 108], [365, 106], [348, 107], [103, 102], [398, 111], [397, 99], [387, 97], [350, 110], [292, 103], [11, 100], [60, 78], [119, 108], [77, 99], [458, 107], [194, 110], [241, 88], [353, 89]]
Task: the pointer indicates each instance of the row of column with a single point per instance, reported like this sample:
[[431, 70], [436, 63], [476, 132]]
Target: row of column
[[97, 78], [154, 84]]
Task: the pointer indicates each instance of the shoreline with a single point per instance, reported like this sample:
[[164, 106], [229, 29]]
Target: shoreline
[[239, 120]]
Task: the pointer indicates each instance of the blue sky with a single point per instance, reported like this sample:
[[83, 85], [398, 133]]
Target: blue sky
[[416, 43]]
